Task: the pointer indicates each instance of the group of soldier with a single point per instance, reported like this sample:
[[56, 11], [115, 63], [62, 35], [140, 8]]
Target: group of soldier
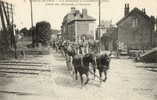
[[81, 55], [81, 47]]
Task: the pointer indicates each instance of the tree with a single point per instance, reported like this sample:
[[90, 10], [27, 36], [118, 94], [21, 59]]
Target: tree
[[25, 31], [43, 31]]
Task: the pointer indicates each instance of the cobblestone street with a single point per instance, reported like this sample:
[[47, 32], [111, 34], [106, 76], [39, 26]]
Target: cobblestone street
[[46, 78]]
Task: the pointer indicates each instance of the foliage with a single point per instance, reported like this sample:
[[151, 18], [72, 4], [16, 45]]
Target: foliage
[[43, 31], [5, 51], [25, 31]]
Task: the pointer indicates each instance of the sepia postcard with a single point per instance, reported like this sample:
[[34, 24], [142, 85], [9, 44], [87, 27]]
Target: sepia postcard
[[78, 50]]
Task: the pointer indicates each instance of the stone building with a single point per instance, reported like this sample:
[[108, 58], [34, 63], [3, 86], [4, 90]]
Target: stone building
[[76, 24], [136, 29]]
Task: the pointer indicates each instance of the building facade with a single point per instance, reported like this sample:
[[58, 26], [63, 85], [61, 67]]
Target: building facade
[[109, 39], [76, 24], [136, 29], [155, 34], [102, 28], [107, 35]]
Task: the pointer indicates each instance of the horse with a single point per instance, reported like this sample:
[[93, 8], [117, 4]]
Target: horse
[[81, 65], [102, 64], [80, 62]]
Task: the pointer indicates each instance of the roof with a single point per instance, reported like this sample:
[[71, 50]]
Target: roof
[[71, 17], [82, 19], [135, 10]]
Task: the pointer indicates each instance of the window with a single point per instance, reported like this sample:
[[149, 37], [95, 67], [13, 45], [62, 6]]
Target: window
[[63, 29], [155, 27], [134, 22]]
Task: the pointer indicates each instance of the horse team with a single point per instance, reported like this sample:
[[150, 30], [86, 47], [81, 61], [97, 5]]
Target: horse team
[[78, 62]]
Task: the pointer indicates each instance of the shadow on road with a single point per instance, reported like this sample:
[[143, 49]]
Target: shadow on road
[[16, 93], [152, 70], [67, 81], [149, 67]]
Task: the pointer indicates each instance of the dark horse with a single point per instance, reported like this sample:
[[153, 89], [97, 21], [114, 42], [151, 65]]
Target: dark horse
[[80, 62], [102, 62], [81, 65]]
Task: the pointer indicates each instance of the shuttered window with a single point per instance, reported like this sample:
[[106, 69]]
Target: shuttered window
[[134, 22]]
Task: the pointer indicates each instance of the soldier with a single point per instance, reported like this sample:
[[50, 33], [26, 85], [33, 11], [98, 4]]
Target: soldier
[[69, 57]]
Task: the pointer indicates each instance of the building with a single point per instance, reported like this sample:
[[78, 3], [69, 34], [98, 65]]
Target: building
[[102, 29], [155, 34], [76, 24], [107, 35], [109, 39], [136, 29]]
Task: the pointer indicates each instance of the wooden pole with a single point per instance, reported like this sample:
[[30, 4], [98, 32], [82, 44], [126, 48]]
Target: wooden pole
[[12, 34], [99, 36], [33, 34], [31, 13], [99, 16]]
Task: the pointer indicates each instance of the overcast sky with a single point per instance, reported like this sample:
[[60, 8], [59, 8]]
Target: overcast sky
[[110, 10]]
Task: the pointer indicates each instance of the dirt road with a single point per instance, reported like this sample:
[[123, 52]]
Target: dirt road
[[47, 78]]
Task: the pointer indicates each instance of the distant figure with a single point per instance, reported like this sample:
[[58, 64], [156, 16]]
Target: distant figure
[[138, 55]]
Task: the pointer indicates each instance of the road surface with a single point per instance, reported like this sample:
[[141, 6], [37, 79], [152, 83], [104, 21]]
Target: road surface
[[47, 78]]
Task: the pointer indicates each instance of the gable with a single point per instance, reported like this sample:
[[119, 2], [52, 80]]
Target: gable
[[135, 20], [134, 13]]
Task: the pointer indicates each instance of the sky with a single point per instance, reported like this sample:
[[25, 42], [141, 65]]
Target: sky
[[47, 11]]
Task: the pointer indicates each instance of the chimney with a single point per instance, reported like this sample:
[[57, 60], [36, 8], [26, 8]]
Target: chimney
[[126, 9], [77, 13], [144, 10], [84, 12], [73, 10]]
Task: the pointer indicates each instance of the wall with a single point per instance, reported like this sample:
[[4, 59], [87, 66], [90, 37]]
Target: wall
[[71, 31], [85, 27], [135, 37], [154, 39], [109, 39], [79, 28]]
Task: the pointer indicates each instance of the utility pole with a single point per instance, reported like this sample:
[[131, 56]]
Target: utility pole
[[31, 13], [99, 16], [99, 30], [33, 34]]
